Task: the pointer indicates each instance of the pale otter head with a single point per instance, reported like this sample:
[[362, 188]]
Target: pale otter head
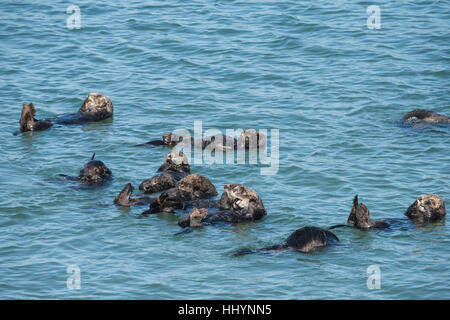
[[195, 186], [123, 198], [94, 172], [251, 139], [175, 161], [97, 106], [243, 201], [427, 208], [196, 217]]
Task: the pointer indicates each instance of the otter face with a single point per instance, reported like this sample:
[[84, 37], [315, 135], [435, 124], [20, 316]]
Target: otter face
[[175, 161], [195, 186], [94, 172], [242, 201], [251, 139], [196, 217], [157, 184], [97, 106], [427, 208]]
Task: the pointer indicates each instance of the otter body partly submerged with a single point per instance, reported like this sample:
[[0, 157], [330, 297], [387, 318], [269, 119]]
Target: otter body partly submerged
[[96, 107]]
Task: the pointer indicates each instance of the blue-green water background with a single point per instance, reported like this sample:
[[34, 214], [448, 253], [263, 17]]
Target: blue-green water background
[[313, 70]]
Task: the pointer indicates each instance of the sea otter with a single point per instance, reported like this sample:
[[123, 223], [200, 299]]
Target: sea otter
[[96, 107], [360, 217], [247, 140], [124, 197], [94, 173], [304, 240], [174, 168], [191, 188], [427, 208], [238, 203], [426, 116]]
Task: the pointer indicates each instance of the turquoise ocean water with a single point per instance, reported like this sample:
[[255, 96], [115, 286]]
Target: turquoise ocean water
[[313, 70]]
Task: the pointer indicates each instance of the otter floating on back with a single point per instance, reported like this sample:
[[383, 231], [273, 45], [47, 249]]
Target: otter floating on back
[[94, 173], [304, 240], [426, 116], [96, 107], [248, 139]]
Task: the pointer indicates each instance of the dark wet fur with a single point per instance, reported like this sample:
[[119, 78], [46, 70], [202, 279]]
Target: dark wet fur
[[304, 240], [94, 173], [359, 217]]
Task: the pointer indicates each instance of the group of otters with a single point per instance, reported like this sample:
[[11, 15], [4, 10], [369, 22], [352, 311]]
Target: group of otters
[[193, 193]]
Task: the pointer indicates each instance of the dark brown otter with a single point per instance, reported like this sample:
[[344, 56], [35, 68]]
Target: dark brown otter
[[124, 197], [190, 188], [28, 122], [427, 116], [427, 208], [94, 173], [159, 183], [174, 168], [96, 107], [306, 239], [360, 217]]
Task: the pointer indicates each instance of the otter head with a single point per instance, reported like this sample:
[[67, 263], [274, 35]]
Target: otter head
[[195, 186], [27, 117], [175, 161], [427, 208], [97, 106], [251, 139], [123, 198], [94, 172], [242, 201], [196, 217]]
